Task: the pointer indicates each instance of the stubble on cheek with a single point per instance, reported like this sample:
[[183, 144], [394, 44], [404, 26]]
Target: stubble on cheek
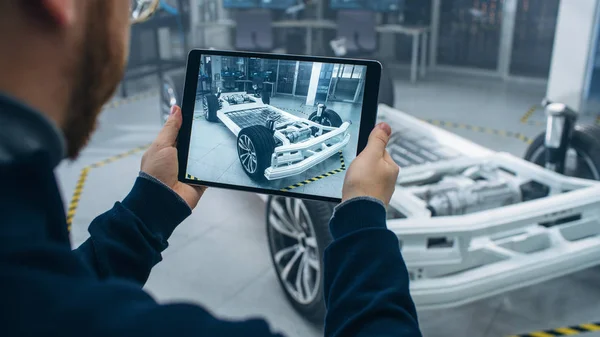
[[97, 69]]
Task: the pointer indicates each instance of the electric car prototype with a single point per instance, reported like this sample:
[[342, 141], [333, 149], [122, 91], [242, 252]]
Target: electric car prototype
[[272, 143]]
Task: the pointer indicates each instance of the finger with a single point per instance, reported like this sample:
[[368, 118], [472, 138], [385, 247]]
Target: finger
[[378, 139], [200, 189], [169, 132]]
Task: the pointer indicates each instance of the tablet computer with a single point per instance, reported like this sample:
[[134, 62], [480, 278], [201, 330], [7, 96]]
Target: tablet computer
[[275, 124]]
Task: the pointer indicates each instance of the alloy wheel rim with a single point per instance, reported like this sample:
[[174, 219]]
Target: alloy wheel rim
[[294, 248], [247, 154]]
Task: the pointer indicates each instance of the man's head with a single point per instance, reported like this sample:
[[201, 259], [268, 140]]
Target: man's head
[[65, 58]]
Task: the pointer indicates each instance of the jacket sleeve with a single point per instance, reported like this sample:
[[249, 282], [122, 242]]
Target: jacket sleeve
[[119, 309], [366, 282], [127, 241]]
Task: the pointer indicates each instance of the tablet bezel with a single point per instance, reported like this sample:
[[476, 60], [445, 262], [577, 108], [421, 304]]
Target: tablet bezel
[[367, 119]]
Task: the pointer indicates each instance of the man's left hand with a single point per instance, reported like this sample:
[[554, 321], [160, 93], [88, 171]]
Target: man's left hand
[[160, 160]]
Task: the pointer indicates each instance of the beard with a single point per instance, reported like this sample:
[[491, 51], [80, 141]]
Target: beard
[[96, 72]]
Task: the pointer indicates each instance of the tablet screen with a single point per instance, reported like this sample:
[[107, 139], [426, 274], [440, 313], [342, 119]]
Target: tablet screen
[[276, 124]]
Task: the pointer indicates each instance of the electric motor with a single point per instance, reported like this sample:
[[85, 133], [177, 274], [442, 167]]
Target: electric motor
[[482, 195], [478, 188], [298, 135]]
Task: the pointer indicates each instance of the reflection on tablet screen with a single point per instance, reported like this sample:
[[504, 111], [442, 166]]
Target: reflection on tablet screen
[[276, 124]]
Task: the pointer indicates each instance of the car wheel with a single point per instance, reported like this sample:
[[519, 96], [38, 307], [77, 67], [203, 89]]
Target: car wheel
[[328, 118], [298, 233], [583, 155], [255, 146], [210, 103], [171, 94]]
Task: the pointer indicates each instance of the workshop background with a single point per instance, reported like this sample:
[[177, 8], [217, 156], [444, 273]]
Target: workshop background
[[479, 68]]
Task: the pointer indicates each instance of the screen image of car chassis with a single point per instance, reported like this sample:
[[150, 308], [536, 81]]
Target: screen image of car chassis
[[247, 132]]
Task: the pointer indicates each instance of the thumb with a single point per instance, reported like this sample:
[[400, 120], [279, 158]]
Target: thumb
[[387, 157], [378, 139], [168, 135]]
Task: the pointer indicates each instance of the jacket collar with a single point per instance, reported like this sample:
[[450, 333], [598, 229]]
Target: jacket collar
[[25, 131]]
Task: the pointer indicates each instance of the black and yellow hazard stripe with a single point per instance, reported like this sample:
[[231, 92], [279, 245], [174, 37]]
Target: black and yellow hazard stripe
[[312, 180], [491, 131], [119, 156], [528, 114], [74, 203], [292, 110], [319, 177], [564, 331], [525, 119], [131, 99], [191, 177], [536, 123]]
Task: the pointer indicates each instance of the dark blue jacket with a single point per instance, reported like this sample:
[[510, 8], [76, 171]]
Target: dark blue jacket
[[47, 289]]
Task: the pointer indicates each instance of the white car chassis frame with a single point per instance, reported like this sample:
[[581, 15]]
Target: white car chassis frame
[[498, 250], [491, 251], [289, 158]]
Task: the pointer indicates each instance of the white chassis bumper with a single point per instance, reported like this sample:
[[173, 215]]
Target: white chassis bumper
[[309, 153]]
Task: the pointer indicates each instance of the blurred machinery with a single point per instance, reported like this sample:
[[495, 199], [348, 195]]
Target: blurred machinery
[[447, 35], [253, 20], [334, 27], [148, 54]]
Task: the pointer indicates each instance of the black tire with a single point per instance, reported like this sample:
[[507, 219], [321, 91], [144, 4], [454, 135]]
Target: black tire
[[386, 89], [319, 213], [255, 143], [212, 106], [171, 93], [586, 143], [328, 118]]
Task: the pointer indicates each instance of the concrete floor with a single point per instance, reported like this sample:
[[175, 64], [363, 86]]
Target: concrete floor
[[219, 256], [213, 152]]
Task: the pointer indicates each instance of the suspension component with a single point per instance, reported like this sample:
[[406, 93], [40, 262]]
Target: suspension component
[[559, 128]]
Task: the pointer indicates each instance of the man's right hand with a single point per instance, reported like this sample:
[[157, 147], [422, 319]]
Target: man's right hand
[[373, 173], [160, 160]]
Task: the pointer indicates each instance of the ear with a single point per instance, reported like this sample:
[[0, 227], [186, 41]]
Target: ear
[[61, 11]]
